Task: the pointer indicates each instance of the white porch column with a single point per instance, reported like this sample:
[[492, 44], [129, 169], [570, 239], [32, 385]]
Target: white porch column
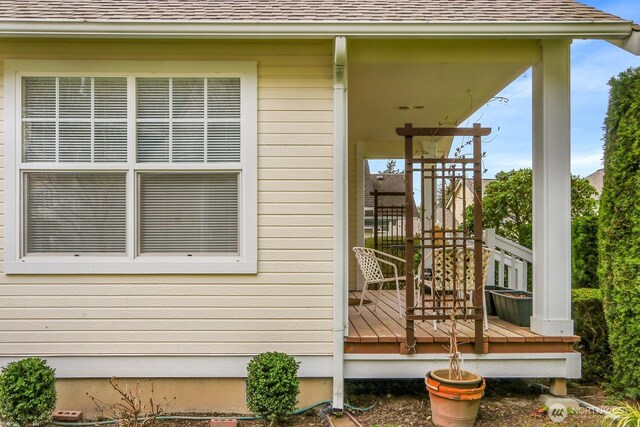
[[552, 191], [360, 188]]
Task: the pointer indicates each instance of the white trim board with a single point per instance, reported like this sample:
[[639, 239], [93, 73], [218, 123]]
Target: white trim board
[[493, 365], [157, 29], [170, 366]]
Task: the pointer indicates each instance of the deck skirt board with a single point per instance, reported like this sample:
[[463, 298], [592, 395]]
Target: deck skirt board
[[382, 331]]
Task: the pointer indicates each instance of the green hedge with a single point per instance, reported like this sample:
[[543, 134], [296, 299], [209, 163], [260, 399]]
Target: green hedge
[[619, 230], [590, 325], [584, 252]]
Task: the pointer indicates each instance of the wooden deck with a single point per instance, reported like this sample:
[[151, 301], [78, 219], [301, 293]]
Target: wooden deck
[[383, 331]]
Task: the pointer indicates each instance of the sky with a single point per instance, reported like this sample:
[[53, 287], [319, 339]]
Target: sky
[[593, 63]]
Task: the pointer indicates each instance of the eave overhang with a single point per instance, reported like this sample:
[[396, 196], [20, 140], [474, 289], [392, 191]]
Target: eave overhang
[[613, 30], [631, 43]]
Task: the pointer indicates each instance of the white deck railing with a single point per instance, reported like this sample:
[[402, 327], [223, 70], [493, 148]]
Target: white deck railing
[[511, 261]]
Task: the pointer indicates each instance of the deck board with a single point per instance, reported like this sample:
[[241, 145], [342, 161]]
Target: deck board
[[388, 317], [382, 330]]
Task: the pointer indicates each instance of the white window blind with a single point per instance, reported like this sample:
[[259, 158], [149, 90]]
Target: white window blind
[[137, 170], [193, 120], [189, 213], [77, 213], [74, 119]]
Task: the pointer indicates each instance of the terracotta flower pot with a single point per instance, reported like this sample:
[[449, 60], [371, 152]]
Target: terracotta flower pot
[[454, 403]]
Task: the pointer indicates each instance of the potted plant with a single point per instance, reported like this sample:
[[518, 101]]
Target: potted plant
[[488, 297], [454, 393]]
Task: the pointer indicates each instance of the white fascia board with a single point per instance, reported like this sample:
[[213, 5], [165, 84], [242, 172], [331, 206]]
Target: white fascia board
[[156, 29]]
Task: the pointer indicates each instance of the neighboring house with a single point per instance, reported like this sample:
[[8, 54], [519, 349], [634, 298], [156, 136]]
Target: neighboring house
[[460, 198], [391, 207], [180, 181], [596, 179]]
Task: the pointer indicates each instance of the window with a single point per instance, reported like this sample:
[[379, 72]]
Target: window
[[128, 170]]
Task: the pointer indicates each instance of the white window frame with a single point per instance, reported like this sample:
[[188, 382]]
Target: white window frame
[[243, 263]]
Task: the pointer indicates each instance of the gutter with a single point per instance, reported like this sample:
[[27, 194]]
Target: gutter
[[631, 43], [180, 29]]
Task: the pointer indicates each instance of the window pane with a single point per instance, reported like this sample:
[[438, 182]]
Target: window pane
[[153, 98], [188, 98], [188, 142], [39, 97], [76, 132], [39, 141], [223, 97], [153, 142], [223, 142], [187, 138], [189, 213], [75, 142], [75, 97], [110, 98], [110, 142], [75, 213]]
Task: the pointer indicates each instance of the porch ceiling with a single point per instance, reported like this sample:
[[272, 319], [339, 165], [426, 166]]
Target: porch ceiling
[[439, 87]]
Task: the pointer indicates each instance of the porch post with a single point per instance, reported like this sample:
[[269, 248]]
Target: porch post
[[552, 191], [360, 188]]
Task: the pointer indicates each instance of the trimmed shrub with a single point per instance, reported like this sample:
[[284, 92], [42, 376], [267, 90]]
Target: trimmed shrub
[[590, 325], [619, 230], [27, 392], [272, 385], [584, 252]]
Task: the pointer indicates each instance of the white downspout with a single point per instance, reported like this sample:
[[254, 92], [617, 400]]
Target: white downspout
[[340, 218]]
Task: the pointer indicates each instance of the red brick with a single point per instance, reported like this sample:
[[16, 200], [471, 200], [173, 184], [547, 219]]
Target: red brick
[[229, 422], [65, 415]]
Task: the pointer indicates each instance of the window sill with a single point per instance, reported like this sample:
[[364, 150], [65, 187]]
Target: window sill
[[138, 266]]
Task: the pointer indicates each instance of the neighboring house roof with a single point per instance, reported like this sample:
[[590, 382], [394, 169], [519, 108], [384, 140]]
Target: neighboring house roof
[[596, 179], [554, 11], [385, 183], [369, 200]]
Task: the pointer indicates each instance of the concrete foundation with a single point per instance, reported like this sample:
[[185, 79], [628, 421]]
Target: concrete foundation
[[548, 400], [558, 387], [193, 395]]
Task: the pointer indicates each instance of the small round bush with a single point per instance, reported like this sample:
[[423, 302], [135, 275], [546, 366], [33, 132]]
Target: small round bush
[[272, 385], [27, 392]]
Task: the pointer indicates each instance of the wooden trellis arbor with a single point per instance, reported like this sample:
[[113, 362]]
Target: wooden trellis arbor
[[450, 256]]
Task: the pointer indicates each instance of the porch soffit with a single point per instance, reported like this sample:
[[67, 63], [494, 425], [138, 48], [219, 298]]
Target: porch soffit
[[447, 81]]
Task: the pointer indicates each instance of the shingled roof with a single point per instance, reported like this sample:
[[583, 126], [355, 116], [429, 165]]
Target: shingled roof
[[272, 11]]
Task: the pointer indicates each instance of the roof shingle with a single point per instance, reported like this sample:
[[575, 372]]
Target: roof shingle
[[271, 11]]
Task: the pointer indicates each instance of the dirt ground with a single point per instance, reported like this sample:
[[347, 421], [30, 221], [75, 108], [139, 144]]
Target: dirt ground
[[506, 403], [406, 404], [508, 412]]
